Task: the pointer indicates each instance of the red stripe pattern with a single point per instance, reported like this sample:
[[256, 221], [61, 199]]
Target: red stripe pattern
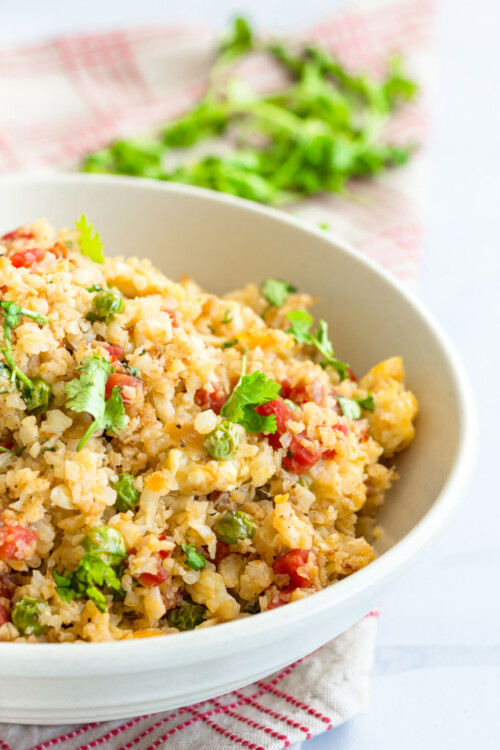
[[306, 698]]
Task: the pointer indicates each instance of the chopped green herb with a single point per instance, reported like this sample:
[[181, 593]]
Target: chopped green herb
[[229, 344], [132, 370], [13, 315], [228, 318], [87, 394], [291, 404], [300, 329], [98, 571], [351, 407], [91, 579], [251, 391], [90, 244], [276, 291], [194, 559], [95, 288], [40, 398]]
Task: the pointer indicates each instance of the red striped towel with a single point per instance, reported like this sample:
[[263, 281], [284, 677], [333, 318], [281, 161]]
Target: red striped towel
[[74, 94]]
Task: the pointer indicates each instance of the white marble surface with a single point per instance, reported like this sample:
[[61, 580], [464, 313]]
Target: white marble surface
[[436, 682]]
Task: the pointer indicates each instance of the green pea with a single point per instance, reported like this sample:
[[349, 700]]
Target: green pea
[[26, 615], [234, 525], [106, 304], [127, 497], [222, 443], [40, 398], [187, 616], [108, 540]]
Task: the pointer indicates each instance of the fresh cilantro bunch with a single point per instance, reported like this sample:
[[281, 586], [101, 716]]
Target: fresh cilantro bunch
[[302, 322], [251, 391], [91, 576], [12, 317], [90, 244], [87, 394], [314, 135]]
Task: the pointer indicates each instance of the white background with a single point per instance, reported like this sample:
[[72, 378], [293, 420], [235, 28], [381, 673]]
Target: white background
[[436, 681]]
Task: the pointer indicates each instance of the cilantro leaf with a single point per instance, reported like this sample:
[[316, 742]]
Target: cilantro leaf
[[90, 244], [301, 326], [251, 391], [366, 403], [302, 323], [276, 291], [239, 40], [351, 407], [87, 394], [194, 559]]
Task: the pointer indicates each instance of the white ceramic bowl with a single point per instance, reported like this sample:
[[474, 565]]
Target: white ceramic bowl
[[224, 242]]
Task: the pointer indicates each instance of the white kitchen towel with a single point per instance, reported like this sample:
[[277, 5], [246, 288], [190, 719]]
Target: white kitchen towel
[[65, 97]]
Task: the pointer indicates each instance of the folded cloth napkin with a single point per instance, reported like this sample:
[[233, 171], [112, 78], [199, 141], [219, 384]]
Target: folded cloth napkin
[[66, 97]]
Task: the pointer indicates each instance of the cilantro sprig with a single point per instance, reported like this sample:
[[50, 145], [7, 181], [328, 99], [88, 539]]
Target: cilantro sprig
[[90, 243], [302, 322], [12, 317], [91, 576], [351, 407], [250, 392], [87, 394]]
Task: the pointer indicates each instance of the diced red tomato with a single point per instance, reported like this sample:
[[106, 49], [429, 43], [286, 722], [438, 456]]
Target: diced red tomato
[[17, 542], [18, 234], [115, 352], [283, 414], [214, 399], [299, 458], [7, 444], [125, 381], [340, 427], [365, 437], [351, 374], [329, 454], [27, 258], [173, 317], [149, 580], [293, 563], [4, 614], [164, 553], [303, 392]]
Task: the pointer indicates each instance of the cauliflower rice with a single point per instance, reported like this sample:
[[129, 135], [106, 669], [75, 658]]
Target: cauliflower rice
[[172, 515]]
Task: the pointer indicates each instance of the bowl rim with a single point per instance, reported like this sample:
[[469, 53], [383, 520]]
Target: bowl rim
[[134, 654]]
